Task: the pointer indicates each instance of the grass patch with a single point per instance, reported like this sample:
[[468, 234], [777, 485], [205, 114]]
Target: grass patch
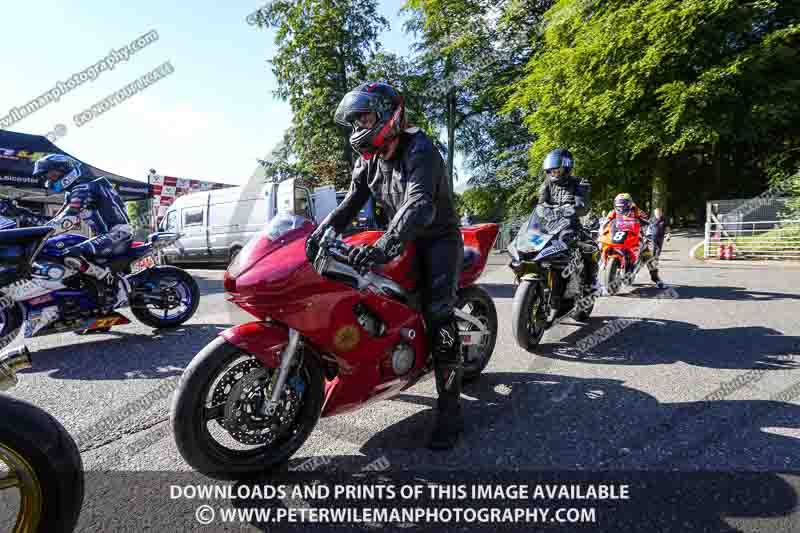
[[698, 252]]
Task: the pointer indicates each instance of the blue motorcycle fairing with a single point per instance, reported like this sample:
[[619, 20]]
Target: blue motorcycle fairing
[[55, 246]]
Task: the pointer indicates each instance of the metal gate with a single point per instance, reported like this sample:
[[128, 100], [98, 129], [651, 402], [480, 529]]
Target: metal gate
[[757, 228]]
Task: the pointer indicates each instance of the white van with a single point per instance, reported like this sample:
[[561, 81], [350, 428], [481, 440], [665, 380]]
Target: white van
[[215, 225]]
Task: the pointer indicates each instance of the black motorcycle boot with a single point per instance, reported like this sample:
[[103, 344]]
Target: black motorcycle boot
[[449, 419], [656, 279]]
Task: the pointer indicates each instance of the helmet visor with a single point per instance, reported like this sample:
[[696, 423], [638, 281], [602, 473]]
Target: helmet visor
[[355, 103], [553, 160]]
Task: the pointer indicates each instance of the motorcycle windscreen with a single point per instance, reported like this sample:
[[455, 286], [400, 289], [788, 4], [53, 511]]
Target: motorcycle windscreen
[[533, 236], [283, 228], [620, 228]]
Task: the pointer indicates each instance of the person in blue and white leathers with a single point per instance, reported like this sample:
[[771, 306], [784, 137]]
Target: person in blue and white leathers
[[91, 201]]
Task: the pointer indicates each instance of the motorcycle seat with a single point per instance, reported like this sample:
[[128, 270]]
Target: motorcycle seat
[[24, 235]]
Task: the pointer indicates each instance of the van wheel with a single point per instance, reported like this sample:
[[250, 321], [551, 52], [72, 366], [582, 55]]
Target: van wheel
[[233, 253]]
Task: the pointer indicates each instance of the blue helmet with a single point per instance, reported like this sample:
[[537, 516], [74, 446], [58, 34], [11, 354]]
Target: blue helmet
[[558, 163], [69, 168]]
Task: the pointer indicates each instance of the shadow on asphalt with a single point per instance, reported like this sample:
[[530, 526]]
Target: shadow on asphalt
[[500, 290], [123, 355], [710, 292], [658, 342], [555, 428], [713, 292]]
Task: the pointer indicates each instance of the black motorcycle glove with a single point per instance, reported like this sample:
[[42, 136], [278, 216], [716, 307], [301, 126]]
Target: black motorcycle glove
[[567, 210], [364, 257], [313, 243]]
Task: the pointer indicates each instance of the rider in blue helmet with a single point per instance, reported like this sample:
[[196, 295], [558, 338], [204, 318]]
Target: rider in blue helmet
[[95, 203], [560, 188]]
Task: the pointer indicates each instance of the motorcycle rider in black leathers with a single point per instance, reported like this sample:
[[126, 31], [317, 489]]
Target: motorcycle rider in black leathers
[[94, 202], [409, 182], [561, 188]]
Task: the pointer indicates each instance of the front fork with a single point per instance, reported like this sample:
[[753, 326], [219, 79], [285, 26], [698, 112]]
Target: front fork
[[288, 357]]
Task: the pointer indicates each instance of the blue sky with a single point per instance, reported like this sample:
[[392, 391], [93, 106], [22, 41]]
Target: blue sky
[[210, 119]]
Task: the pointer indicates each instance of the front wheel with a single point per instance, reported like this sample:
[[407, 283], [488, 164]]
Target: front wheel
[[10, 324], [612, 278], [219, 417], [525, 313], [477, 303], [167, 298], [39, 461]]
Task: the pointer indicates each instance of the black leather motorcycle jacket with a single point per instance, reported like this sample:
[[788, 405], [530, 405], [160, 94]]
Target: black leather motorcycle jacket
[[571, 190], [412, 190]]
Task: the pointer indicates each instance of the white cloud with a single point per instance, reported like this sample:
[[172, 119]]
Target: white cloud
[[179, 140]]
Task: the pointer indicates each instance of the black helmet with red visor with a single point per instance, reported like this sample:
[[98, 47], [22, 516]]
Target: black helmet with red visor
[[371, 133]]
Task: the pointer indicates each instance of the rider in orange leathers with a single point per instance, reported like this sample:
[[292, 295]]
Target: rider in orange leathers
[[624, 206]]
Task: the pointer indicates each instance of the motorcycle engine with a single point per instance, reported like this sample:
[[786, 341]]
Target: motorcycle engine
[[403, 357], [369, 320]]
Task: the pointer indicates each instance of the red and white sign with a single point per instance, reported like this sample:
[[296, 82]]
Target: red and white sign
[[166, 189]]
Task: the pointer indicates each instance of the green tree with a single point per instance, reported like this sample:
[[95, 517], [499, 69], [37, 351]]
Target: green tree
[[451, 33], [322, 51], [139, 213], [658, 95], [484, 203], [282, 163]]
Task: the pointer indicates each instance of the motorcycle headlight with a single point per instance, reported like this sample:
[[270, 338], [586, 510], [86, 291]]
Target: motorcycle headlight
[[247, 255], [512, 251]]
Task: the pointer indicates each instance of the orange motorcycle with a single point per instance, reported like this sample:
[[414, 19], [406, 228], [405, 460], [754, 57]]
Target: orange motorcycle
[[621, 252]]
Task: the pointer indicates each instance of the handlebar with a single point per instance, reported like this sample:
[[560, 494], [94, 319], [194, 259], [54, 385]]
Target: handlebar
[[339, 251]]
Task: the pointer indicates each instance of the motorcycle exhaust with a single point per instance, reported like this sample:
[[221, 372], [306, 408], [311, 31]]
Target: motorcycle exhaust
[[12, 361]]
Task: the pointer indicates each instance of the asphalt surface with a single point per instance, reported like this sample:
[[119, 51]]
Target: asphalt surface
[[698, 383]]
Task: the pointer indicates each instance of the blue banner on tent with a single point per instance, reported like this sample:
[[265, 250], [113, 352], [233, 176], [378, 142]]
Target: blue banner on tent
[[19, 152]]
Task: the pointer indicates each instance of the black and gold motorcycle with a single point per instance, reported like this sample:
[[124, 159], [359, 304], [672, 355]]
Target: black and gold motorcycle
[[546, 258], [41, 473]]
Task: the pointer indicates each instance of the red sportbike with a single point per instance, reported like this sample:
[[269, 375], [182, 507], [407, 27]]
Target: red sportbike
[[328, 340], [622, 250]]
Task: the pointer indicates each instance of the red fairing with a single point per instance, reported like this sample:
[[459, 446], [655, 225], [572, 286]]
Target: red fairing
[[264, 340], [281, 285], [478, 242]]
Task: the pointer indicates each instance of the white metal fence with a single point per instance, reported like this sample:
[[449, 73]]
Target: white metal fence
[[760, 239]]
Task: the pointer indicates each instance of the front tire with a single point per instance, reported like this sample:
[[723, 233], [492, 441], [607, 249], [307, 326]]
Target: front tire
[[44, 458], [481, 306], [191, 417], [611, 275], [10, 324], [528, 300], [174, 285]]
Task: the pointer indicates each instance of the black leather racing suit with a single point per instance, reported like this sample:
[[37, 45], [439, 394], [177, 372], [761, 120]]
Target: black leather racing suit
[[575, 191], [413, 192]]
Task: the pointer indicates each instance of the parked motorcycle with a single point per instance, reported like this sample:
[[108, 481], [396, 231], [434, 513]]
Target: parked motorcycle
[[56, 294], [329, 340], [39, 460], [623, 252], [548, 267]]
